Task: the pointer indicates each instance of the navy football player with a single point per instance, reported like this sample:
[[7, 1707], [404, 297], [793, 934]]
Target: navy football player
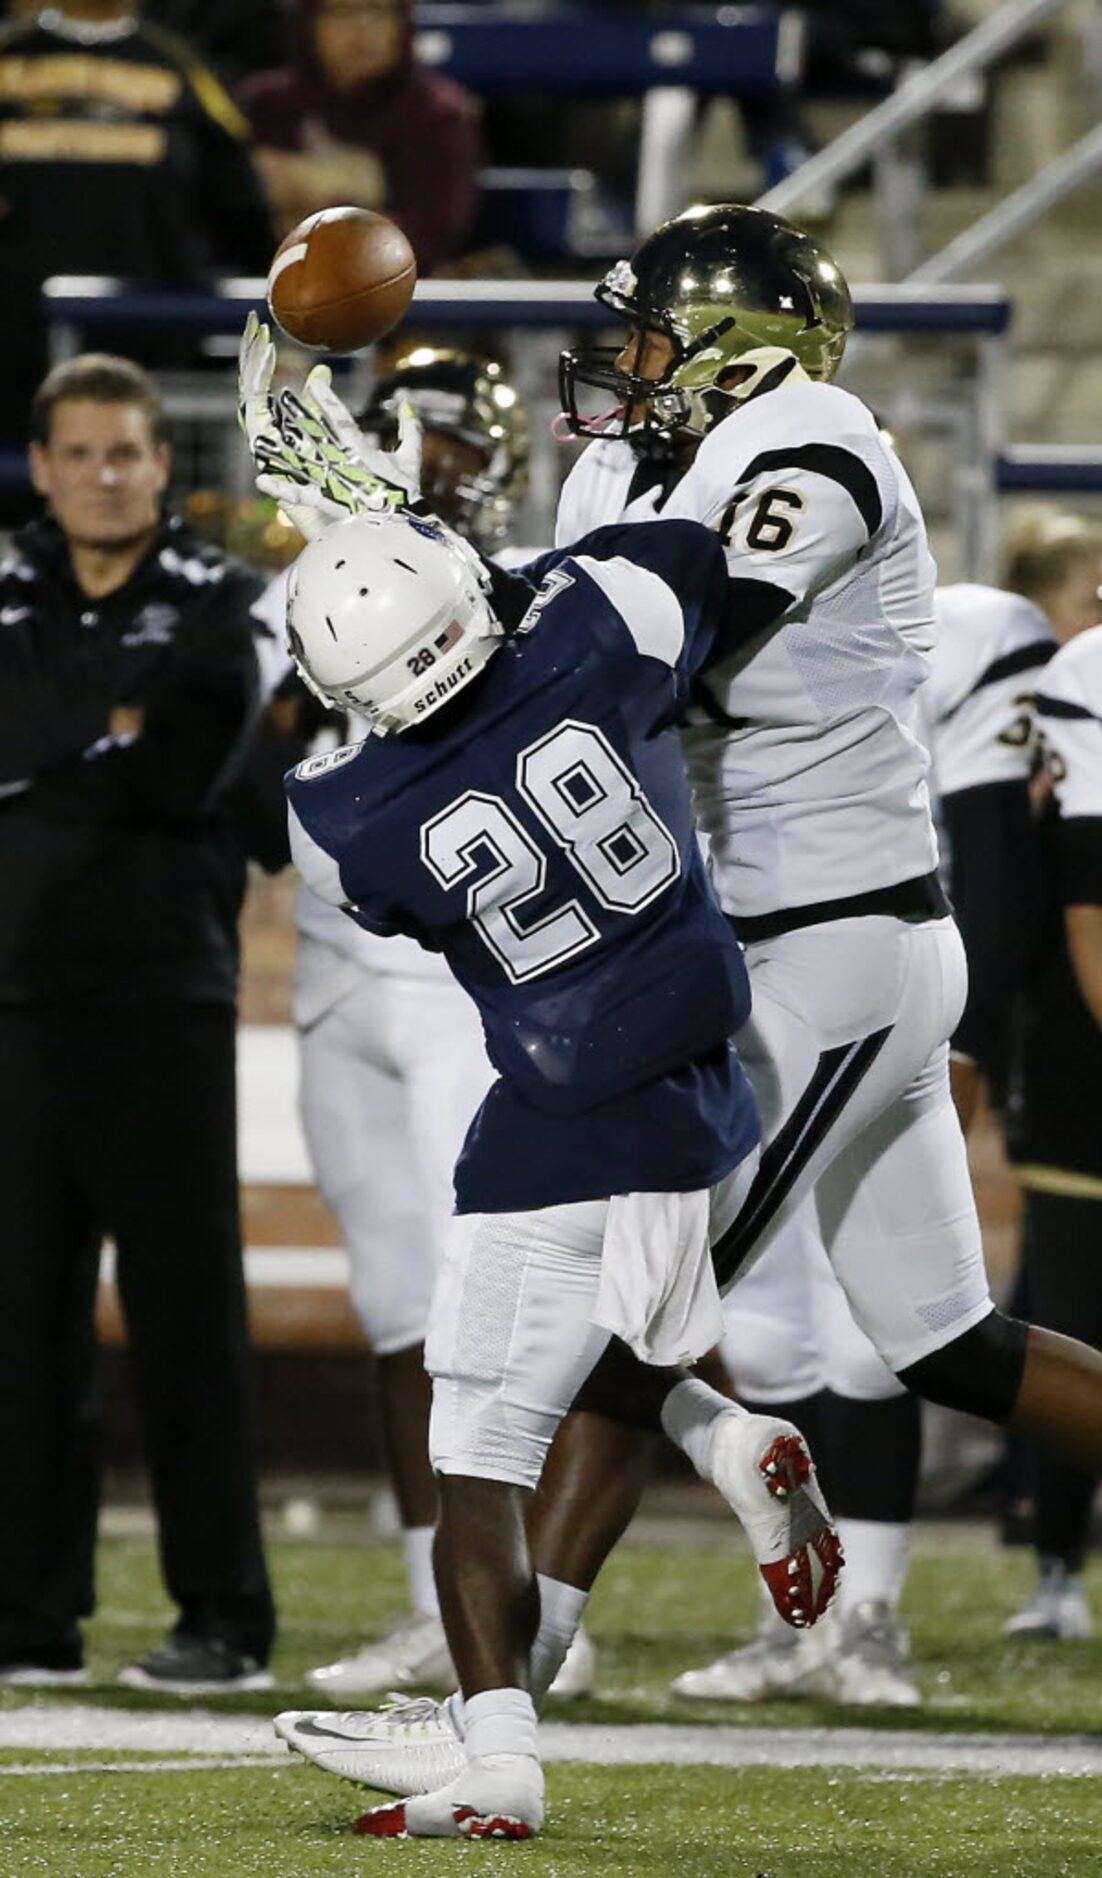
[[390, 1048], [522, 808]]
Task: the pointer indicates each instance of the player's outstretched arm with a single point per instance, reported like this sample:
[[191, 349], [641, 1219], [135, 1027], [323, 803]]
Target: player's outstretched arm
[[308, 451]]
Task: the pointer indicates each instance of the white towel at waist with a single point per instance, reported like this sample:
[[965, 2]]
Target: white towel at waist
[[658, 1288]]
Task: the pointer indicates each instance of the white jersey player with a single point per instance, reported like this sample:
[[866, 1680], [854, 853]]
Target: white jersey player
[[790, 1335]]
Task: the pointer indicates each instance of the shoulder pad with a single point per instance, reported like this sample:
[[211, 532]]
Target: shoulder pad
[[1076, 671], [795, 415]]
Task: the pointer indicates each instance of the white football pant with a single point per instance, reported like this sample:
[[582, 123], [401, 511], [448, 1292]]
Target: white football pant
[[847, 1051], [512, 1339], [790, 1332]]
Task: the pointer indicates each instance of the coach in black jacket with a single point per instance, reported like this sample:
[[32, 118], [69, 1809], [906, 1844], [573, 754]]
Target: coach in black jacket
[[128, 693]]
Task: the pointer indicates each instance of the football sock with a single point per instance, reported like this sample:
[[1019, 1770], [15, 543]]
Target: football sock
[[876, 1561], [561, 1610], [688, 1417], [417, 1546], [1062, 1518], [868, 1455], [500, 1721]]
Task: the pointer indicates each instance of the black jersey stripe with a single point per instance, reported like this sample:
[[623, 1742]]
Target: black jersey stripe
[[836, 1076], [1063, 707], [832, 460], [1023, 659]]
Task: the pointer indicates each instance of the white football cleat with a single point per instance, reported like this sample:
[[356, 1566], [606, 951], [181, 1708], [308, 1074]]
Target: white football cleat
[[405, 1747], [16, 1675], [871, 1665], [413, 1654], [778, 1662], [499, 1796], [1057, 1608], [577, 1671], [764, 1471]]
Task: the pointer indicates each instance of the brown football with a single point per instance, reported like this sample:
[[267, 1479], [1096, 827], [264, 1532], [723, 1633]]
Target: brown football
[[341, 280]]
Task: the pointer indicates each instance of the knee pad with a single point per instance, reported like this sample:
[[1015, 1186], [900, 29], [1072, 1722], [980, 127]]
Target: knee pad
[[979, 1373]]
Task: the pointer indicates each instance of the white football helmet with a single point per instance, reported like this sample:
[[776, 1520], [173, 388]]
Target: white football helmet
[[386, 616]]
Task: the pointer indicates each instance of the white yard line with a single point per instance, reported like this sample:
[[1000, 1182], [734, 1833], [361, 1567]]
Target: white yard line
[[236, 1740]]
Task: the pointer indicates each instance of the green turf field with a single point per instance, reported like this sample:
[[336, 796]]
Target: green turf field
[[109, 1812]]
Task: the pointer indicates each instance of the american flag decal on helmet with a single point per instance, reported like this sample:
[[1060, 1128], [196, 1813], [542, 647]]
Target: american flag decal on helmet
[[449, 637]]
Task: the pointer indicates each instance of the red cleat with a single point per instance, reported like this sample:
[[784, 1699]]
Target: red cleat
[[384, 1822], [479, 1804], [764, 1471]]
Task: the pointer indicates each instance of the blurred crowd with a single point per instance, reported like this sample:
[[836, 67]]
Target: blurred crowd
[[168, 141]]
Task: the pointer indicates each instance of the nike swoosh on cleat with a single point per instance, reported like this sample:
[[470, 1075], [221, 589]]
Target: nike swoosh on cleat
[[328, 1734]]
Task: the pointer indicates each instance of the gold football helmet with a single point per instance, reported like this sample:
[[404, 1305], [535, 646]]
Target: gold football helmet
[[718, 282]]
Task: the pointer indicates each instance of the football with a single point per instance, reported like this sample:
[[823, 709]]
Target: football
[[341, 280]]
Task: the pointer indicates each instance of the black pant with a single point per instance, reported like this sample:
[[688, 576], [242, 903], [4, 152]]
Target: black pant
[[1062, 1255], [121, 1120]]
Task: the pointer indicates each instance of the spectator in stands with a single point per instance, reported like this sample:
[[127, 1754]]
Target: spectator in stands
[[120, 153], [354, 118], [128, 693], [1056, 562]]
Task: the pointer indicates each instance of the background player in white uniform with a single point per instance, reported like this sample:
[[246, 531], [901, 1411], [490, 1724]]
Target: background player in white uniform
[[392, 1059], [1056, 1093]]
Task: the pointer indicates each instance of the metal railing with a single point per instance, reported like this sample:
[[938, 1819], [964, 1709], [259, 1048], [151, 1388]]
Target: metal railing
[[1016, 213], [875, 136], [79, 308]]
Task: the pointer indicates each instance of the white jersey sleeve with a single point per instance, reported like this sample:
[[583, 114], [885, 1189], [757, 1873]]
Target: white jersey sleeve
[[1069, 714], [991, 650]]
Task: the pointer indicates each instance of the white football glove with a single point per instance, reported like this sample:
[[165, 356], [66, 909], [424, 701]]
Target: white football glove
[[322, 461], [308, 450], [283, 473]]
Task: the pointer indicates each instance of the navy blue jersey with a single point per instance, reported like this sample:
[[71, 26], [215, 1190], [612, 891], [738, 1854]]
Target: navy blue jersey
[[540, 834]]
